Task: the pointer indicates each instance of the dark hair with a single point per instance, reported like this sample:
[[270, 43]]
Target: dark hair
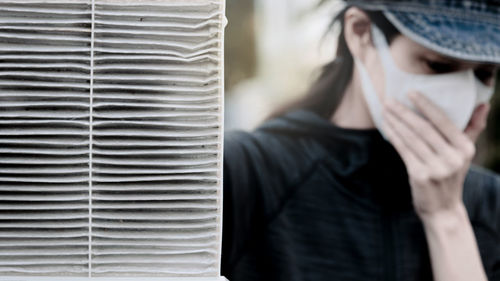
[[325, 94]]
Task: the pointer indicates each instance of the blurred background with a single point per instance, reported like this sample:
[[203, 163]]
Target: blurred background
[[274, 50]]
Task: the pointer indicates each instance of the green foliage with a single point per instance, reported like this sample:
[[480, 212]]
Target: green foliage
[[492, 133], [240, 49]]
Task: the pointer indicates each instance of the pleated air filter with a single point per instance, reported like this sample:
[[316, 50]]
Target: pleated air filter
[[110, 138]]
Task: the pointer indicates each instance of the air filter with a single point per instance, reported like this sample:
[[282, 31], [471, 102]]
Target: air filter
[[111, 138]]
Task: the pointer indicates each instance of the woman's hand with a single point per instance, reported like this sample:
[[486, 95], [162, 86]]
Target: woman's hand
[[436, 153], [437, 156]]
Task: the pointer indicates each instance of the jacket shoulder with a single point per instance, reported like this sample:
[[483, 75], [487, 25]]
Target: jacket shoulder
[[274, 162]]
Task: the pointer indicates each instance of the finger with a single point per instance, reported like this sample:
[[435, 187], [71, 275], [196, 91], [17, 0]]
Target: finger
[[437, 165], [412, 163], [410, 138], [444, 125], [421, 127], [477, 122]]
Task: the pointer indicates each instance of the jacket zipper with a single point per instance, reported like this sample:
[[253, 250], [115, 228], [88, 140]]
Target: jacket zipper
[[389, 247]]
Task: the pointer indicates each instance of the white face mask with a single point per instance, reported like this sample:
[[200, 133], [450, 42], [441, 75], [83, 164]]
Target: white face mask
[[457, 93]]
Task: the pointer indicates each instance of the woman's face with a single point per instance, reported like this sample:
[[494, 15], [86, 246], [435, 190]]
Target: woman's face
[[412, 57], [415, 58], [409, 55]]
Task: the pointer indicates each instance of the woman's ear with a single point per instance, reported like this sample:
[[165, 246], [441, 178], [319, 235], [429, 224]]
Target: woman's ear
[[357, 32]]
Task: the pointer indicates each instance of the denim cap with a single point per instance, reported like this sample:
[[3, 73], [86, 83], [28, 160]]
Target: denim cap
[[463, 29]]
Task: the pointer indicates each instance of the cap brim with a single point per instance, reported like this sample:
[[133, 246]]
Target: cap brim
[[458, 37]]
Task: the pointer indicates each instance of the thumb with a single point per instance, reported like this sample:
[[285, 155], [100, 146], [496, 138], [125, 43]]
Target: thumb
[[477, 122]]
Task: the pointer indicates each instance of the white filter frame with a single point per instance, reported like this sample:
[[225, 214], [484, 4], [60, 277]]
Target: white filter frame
[[134, 162]]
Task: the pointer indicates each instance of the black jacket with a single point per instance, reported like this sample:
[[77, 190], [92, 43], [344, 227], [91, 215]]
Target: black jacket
[[306, 200]]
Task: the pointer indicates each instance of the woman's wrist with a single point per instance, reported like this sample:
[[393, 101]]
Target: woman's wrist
[[452, 245], [449, 220]]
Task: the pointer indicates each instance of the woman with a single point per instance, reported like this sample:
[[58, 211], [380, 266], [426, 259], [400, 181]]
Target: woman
[[369, 176]]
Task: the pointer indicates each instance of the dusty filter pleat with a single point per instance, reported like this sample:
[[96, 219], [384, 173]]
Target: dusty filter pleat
[[110, 137], [44, 137]]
